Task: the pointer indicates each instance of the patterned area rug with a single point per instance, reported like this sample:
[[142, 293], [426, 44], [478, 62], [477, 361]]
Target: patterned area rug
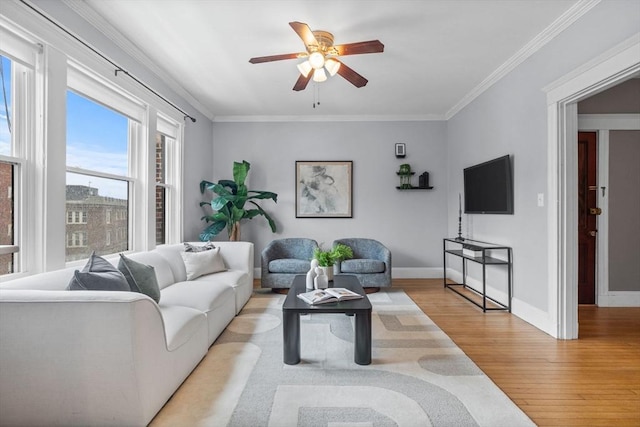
[[418, 376]]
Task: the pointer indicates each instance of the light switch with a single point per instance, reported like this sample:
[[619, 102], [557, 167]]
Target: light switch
[[540, 200]]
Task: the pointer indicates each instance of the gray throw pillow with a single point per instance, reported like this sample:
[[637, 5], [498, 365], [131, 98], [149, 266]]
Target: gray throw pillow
[[188, 247], [98, 275], [141, 277]]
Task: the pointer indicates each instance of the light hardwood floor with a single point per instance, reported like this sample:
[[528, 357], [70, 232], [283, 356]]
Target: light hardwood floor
[[592, 381]]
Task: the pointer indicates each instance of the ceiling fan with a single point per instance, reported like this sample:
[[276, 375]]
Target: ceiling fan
[[322, 55]]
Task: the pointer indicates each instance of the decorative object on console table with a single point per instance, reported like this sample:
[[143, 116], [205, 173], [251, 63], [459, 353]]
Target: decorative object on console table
[[460, 217], [401, 150], [324, 189]]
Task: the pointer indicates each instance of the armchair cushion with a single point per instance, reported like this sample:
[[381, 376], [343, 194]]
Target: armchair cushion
[[282, 259], [289, 265], [362, 266]]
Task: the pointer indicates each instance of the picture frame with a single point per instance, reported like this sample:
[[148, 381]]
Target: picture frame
[[324, 189], [401, 150]]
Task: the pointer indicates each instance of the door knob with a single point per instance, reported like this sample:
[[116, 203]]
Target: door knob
[[592, 233], [595, 211]]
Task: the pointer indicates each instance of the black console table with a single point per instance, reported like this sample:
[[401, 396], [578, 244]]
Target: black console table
[[478, 252]]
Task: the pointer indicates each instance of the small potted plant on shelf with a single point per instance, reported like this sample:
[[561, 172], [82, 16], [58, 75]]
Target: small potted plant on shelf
[[327, 258]]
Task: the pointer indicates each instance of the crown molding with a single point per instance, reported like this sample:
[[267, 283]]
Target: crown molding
[[87, 13], [558, 26], [330, 118]]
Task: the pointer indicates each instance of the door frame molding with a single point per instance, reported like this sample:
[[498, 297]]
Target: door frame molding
[[604, 71]]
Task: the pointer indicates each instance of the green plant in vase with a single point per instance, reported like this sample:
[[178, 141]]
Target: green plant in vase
[[328, 258]]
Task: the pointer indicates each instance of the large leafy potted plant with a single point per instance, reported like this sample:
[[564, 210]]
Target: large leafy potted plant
[[328, 258], [229, 203]]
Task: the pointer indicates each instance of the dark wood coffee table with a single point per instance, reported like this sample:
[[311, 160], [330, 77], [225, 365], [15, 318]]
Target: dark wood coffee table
[[293, 307]]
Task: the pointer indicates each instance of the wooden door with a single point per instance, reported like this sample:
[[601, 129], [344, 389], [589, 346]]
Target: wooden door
[[587, 231]]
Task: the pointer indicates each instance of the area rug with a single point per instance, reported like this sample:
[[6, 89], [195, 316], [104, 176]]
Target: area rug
[[418, 376]]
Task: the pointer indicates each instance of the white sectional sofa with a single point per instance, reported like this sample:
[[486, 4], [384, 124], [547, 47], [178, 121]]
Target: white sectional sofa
[[89, 358]]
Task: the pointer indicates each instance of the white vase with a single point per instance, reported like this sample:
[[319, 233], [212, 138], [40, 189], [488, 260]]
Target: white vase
[[311, 274], [320, 281], [328, 271]]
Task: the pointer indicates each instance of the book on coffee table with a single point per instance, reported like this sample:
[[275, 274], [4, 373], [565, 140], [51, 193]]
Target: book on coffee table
[[321, 296]]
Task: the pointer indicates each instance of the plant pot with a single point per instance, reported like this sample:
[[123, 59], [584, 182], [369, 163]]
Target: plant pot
[[328, 271]]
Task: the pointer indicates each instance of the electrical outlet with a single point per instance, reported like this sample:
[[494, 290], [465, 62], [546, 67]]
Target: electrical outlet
[[540, 200]]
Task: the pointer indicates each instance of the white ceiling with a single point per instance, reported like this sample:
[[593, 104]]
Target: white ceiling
[[438, 54]]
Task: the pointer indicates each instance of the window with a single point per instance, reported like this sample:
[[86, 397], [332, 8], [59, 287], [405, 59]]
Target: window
[[167, 161], [16, 80], [76, 217], [107, 150], [77, 239], [160, 189], [98, 177]]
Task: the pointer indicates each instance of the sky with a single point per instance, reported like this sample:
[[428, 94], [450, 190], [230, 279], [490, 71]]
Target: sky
[[97, 139]]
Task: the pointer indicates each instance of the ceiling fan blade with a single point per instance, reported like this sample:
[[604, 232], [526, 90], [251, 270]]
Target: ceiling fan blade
[[260, 59], [371, 46], [352, 77], [304, 32], [302, 82]]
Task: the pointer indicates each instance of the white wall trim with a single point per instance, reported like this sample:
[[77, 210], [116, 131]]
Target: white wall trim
[[330, 118], [534, 316], [397, 272], [588, 122], [619, 299], [608, 69], [558, 26]]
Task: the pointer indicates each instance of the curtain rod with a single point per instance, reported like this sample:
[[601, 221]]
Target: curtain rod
[[118, 69]]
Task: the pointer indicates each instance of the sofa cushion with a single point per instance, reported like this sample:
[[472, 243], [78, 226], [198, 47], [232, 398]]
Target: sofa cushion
[[358, 266], [141, 277], [98, 275], [188, 247], [289, 265], [200, 263], [204, 296]]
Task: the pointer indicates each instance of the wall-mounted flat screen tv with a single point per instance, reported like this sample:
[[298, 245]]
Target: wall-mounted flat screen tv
[[488, 187]]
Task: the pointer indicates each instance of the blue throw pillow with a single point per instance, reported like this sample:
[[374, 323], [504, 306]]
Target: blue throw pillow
[[98, 275], [141, 277]]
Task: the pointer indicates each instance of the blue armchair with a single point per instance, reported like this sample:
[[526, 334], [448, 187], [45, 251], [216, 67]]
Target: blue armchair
[[282, 259], [371, 262]]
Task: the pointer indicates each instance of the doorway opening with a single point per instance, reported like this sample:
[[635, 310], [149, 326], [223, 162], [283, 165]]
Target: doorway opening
[[611, 68]]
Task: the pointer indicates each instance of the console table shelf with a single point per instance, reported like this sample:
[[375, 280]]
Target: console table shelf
[[482, 249]]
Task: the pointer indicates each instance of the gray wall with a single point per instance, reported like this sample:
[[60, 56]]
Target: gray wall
[[511, 118], [624, 211], [410, 223]]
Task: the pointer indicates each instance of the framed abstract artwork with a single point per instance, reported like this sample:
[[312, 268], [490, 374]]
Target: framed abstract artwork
[[324, 189]]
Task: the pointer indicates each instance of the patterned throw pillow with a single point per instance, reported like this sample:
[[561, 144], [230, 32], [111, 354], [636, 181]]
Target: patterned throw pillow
[[188, 247], [141, 277], [98, 275]]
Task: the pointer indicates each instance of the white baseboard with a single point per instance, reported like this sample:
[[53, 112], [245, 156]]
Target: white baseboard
[[416, 273], [619, 299], [534, 316], [397, 273], [528, 313]]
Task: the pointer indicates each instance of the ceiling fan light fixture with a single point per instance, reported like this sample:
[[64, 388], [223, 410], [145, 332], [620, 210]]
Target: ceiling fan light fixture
[[305, 68], [332, 66], [316, 59], [319, 75]]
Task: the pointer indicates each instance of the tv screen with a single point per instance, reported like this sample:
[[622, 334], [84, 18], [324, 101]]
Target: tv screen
[[488, 187]]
